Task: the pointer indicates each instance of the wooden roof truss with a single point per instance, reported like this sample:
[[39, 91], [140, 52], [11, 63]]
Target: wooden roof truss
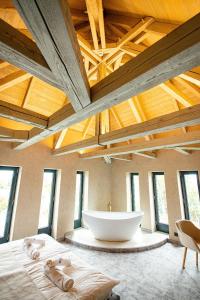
[[97, 75]]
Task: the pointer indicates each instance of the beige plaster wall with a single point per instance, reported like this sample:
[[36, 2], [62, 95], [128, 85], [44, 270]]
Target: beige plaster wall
[[105, 183], [32, 162], [169, 162]]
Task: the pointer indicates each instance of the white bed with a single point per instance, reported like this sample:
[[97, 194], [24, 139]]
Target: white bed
[[23, 278]]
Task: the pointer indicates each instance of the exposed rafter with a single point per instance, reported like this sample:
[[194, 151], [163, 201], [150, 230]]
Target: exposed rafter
[[52, 28], [182, 151], [176, 52], [194, 90], [16, 113], [59, 139], [87, 127], [28, 92], [159, 28], [170, 56], [138, 113], [170, 88], [171, 121], [10, 135], [161, 143], [151, 155], [192, 77], [19, 50], [3, 64], [127, 157], [13, 79]]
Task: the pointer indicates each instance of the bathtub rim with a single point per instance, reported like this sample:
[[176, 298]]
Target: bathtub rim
[[99, 214]]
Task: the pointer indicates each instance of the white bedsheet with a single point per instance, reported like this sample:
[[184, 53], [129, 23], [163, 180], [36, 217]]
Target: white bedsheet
[[89, 283]]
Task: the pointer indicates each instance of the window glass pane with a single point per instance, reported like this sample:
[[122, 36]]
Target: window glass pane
[[77, 196], [6, 177], [192, 193], [135, 192], [46, 199], [161, 199]]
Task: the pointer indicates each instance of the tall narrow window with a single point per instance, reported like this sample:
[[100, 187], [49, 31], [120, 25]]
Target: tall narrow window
[[8, 183], [78, 199], [160, 202], [135, 193], [47, 201], [191, 195]]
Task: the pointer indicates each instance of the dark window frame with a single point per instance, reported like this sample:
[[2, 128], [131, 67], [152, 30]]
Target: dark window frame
[[11, 202], [159, 226], [48, 229], [133, 190], [77, 223], [184, 193]]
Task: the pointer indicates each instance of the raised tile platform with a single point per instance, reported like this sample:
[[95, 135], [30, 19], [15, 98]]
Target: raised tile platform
[[142, 241]]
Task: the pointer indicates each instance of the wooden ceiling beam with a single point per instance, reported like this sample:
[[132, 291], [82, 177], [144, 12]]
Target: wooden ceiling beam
[[127, 157], [78, 14], [3, 64], [190, 148], [193, 89], [170, 56], [51, 26], [160, 28], [187, 116], [97, 125], [118, 62], [156, 27], [138, 112], [86, 64], [84, 44], [11, 135], [87, 127], [177, 108], [16, 113], [132, 33], [172, 90], [149, 154], [88, 56], [184, 117], [13, 79], [155, 144], [60, 138], [28, 92], [116, 117], [192, 77], [182, 151], [66, 117], [85, 144], [101, 23], [19, 50], [92, 11], [96, 19]]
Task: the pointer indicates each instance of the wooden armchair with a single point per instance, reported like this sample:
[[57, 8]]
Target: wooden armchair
[[189, 236]]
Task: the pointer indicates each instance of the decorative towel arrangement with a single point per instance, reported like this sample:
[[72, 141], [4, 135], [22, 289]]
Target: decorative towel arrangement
[[32, 246], [57, 275]]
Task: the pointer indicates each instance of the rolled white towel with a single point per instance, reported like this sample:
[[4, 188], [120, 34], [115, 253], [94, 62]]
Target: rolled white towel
[[60, 279], [66, 262], [30, 241], [32, 246], [33, 252]]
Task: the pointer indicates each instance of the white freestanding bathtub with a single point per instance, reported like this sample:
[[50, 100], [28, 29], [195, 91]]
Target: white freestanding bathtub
[[112, 226]]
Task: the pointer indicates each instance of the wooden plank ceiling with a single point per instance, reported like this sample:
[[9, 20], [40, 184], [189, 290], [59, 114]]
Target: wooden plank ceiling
[[82, 73]]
